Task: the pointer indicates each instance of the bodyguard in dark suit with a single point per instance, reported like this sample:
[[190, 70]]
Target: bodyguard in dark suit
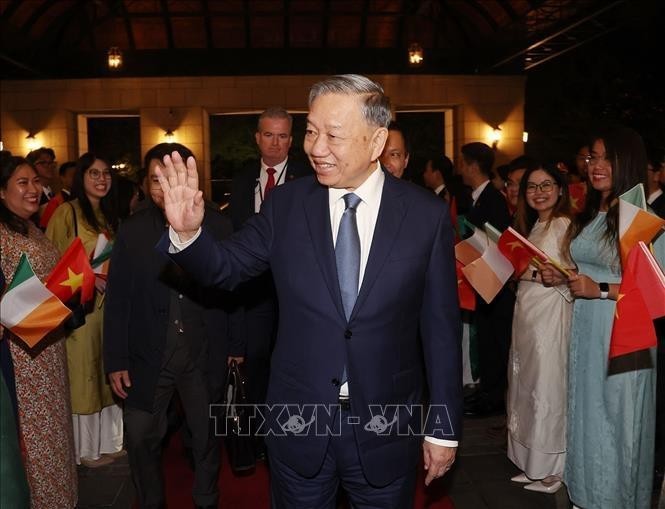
[[163, 332], [250, 187], [362, 262], [493, 320]]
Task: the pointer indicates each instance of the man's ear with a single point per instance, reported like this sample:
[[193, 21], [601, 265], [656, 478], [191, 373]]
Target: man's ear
[[406, 160], [378, 142], [257, 137]]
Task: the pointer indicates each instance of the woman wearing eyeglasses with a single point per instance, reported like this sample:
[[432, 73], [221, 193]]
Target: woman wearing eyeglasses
[[536, 404], [97, 419], [611, 404]]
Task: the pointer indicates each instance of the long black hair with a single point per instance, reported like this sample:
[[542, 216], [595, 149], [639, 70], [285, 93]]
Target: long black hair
[[108, 204], [8, 165], [625, 152]]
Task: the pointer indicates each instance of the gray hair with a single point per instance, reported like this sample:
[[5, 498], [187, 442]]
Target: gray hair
[[275, 112], [375, 104]]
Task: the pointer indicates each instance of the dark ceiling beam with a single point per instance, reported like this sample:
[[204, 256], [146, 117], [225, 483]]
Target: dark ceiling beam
[[507, 6], [38, 13], [11, 8], [477, 6], [561, 40], [128, 23], [167, 23], [56, 31], [454, 16], [89, 21]]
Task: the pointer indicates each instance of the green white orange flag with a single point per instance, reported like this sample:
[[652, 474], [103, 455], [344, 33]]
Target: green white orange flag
[[488, 273], [485, 268], [28, 308], [72, 274], [101, 256], [472, 248], [641, 299], [635, 222]]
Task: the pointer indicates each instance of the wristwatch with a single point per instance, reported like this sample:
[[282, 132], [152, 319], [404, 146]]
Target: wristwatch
[[604, 290]]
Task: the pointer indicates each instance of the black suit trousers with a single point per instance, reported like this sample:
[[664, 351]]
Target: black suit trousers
[[494, 323], [145, 432]]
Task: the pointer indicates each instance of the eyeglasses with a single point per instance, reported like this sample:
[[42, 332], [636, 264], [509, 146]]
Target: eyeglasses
[[545, 187], [594, 160], [96, 174], [511, 185]]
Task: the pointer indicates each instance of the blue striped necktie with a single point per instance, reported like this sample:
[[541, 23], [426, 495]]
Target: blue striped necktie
[[347, 254]]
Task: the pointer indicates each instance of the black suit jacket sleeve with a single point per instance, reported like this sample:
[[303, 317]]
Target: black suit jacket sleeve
[[491, 207]]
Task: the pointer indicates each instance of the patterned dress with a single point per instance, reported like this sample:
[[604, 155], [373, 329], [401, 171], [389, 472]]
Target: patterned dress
[[42, 388]]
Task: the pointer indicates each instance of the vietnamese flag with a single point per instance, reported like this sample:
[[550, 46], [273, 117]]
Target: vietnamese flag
[[519, 250], [71, 274], [641, 300], [635, 222], [577, 193], [465, 293]]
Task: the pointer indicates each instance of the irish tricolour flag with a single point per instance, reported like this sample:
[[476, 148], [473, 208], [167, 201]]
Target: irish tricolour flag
[[28, 308]]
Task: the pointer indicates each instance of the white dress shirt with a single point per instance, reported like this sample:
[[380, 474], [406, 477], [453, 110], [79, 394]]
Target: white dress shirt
[[653, 196], [475, 194], [260, 188]]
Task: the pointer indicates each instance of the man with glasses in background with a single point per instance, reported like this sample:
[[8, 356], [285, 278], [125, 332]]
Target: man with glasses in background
[[43, 160]]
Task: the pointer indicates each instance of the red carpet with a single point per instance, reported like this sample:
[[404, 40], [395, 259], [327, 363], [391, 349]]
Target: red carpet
[[251, 492]]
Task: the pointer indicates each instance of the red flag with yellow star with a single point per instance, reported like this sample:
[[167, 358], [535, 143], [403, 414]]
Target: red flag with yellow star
[[519, 250], [72, 274], [641, 299], [577, 193]]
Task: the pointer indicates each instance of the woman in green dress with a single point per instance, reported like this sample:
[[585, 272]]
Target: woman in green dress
[[611, 404], [97, 419]]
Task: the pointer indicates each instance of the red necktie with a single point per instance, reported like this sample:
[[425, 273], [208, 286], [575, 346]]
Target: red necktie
[[271, 182]]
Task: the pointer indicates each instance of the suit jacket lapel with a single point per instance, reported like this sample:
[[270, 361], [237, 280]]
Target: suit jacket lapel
[[317, 213], [388, 223]]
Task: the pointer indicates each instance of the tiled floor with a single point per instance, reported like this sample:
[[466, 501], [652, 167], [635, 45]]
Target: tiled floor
[[479, 480]]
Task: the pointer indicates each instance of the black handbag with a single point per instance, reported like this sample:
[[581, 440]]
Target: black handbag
[[239, 442]]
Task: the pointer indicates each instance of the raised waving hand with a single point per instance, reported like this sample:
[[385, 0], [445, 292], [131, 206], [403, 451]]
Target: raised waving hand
[[183, 201]]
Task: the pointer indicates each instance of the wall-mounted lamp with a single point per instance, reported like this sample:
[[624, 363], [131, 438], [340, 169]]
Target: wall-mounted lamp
[[31, 142], [169, 134], [525, 136], [114, 58], [415, 55], [495, 136]]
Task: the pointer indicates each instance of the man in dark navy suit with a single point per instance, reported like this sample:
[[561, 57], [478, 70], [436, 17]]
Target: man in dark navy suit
[[250, 188], [362, 262]]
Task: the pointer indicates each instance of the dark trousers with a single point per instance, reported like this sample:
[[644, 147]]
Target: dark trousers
[[494, 322], [146, 430], [290, 490], [660, 396]]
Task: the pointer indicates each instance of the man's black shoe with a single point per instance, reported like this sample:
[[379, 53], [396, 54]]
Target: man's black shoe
[[474, 397]]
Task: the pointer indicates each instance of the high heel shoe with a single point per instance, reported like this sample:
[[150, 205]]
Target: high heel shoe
[[521, 478], [543, 488]]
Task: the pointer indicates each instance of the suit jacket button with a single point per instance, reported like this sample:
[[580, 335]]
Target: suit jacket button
[[348, 334], [335, 382]]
